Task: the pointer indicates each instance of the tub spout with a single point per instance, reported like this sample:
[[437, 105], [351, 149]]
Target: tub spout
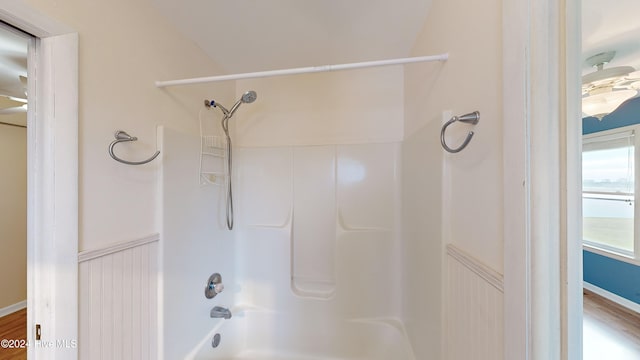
[[220, 312]]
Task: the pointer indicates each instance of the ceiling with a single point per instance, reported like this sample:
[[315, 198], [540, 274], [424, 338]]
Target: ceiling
[[251, 35], [611, 26]]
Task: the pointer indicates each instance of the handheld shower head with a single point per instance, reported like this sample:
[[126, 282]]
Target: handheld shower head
[[248, 97]]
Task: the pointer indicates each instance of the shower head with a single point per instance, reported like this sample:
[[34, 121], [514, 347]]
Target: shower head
[[248, 97]]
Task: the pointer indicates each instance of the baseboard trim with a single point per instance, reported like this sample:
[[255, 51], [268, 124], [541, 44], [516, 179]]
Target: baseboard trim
[[13, 308], [613, 297]]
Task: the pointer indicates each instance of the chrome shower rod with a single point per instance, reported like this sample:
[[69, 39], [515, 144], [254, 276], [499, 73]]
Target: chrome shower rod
[[303, 70]]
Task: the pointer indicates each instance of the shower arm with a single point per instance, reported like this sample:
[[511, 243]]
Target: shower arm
[[227, 113], [222, 108]]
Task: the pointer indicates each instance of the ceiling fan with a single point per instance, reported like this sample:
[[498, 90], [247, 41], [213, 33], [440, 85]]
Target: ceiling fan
[[11, 104], [14, 110], [605, 89]]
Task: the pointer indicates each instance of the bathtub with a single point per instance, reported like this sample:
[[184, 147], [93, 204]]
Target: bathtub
[[266, 335]]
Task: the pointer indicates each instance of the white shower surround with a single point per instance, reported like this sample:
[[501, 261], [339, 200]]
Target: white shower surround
[[317, 250], [358, 242], [318, 188], [328, 234]]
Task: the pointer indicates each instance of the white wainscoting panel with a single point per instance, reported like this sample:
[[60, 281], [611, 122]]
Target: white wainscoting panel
[[474, 309], [118, 301]]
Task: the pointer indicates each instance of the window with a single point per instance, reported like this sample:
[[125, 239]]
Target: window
[[608, 190]]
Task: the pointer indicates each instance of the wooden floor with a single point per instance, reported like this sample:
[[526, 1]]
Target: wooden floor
[[611, 331], [13, 327]]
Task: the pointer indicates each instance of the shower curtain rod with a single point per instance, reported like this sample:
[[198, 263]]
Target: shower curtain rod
[[303, 70]]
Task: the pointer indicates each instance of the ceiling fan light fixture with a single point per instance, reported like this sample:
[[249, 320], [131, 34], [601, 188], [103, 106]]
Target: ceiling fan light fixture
[[604, 90], [603, 76], [604, 103]]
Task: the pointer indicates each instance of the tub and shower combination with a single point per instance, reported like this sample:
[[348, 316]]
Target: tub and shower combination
[[313, 266]]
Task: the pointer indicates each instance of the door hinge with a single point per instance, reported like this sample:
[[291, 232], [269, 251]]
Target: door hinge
[[38, 332]]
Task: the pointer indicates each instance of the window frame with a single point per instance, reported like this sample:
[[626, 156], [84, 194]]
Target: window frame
[[611, 251]]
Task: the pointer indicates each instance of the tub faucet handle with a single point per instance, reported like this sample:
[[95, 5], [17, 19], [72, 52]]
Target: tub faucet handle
[[217, 288], [214, 286]]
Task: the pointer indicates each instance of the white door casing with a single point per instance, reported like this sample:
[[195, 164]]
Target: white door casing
[[543, 303], [52, 182]]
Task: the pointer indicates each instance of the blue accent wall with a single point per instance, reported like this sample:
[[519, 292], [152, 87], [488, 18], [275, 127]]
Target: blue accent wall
[[618, 277]]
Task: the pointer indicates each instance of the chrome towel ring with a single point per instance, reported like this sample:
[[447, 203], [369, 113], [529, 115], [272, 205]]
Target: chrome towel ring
[[122, 136], [470, 118]]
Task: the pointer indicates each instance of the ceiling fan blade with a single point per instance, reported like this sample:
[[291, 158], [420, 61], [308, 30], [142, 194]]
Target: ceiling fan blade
[[14, 110], [13, 98]]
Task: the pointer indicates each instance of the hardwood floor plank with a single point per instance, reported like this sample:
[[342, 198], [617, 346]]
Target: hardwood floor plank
[[14, 327], [611, 331]]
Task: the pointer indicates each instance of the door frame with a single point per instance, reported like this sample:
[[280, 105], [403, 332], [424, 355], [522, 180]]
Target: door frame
[[52, 182], [542, 209]]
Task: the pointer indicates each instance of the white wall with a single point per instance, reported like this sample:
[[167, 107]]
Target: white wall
[[467, 184], [470, 80], [124, 47], [346, 107], [13, 214]]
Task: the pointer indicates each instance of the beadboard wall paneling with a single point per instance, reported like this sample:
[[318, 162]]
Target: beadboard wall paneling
[[119, 301], [474, 309]]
